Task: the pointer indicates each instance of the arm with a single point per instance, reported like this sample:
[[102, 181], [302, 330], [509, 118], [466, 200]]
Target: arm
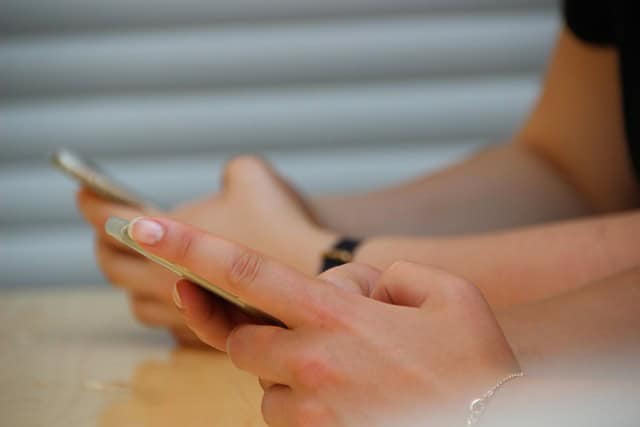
[[571, 333], [423, 345], [576, 129], [522, 265], [580, 353], [504, 186], [568, 159], [344, 359]]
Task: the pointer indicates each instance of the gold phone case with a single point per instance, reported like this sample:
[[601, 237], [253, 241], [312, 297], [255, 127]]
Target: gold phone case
[[89, 174], [118, 228]]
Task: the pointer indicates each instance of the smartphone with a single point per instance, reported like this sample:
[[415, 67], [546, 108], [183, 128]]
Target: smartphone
[[90, 175], [118, 228]]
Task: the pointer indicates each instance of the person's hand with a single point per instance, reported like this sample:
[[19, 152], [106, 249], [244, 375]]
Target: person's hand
[[255, 207], [424, 340]]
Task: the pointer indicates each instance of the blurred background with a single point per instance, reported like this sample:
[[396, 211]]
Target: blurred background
[[342, 95]]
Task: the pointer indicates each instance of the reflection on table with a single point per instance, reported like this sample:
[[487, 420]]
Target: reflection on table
[[77, 358]]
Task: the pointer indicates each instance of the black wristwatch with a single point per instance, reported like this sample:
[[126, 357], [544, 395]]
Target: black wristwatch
[[341, 253]]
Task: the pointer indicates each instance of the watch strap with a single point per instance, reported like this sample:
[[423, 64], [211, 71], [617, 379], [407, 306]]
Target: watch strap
[[340, 253]]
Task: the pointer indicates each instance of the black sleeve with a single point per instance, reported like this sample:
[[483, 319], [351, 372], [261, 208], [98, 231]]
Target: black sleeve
[[590, 20]]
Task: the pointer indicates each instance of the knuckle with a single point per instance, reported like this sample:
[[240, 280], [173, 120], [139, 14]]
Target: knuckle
[[244, 268], [462, 288], [330, 316], [184, 245], [462, 293], [311, 370], [400, 267], [452, 286], [352, 277]]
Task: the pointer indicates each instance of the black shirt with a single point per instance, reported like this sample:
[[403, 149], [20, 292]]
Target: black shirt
[[612, 23]]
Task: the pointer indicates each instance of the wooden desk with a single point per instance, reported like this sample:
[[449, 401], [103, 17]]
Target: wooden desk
[[77, 358]]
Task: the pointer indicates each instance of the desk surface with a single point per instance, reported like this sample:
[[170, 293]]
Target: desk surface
[[77, 358]]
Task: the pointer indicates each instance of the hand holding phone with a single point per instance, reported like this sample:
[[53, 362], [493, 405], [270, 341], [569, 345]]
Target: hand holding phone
[[118, 228], [89, 174]]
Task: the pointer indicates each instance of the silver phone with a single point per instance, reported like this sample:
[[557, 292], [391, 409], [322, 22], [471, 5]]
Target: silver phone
[[90, 175], [118, 228]]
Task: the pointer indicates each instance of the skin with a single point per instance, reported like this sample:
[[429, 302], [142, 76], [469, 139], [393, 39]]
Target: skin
[[568, 159], [524, 265], [575, 333], [409, 346], [255, 207], [423, 341], [554, 209], [579, 351]]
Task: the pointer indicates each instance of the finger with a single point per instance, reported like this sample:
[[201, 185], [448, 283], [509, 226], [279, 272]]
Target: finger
[[276, 404], [286, 407], [270, 286], [204, 313], [416, 285], [96, 210], [262, 350], [134, 273], [186, 338], [353, 277], [153, 313], [265, 384]]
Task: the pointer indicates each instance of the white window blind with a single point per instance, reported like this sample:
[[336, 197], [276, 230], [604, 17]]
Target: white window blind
[[341, 94]]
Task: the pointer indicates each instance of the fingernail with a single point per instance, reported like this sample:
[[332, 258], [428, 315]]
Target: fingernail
[[176, 296], [146, 231]]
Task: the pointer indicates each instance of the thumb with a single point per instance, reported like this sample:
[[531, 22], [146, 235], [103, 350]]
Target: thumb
[[353, 277], [414, 285]]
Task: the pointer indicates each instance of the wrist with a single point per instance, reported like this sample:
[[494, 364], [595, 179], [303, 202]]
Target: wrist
[[378, 252], [479, 405], [341, 252], [308, 253], [509, 404]]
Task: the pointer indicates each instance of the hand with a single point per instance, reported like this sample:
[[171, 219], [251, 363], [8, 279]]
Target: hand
[[255, 207], [424, 340]]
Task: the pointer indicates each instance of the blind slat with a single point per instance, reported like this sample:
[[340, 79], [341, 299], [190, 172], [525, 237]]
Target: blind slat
[[342, 95], [25, 189], [24, 16], [322, 52], [326, 116]]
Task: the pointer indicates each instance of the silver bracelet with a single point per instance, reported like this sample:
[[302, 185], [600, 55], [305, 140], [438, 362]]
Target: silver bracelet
[[479, 405]]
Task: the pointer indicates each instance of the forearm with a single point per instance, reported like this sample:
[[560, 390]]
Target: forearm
[[501, 187], [579, 351], [570, 332], [517, 266]]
